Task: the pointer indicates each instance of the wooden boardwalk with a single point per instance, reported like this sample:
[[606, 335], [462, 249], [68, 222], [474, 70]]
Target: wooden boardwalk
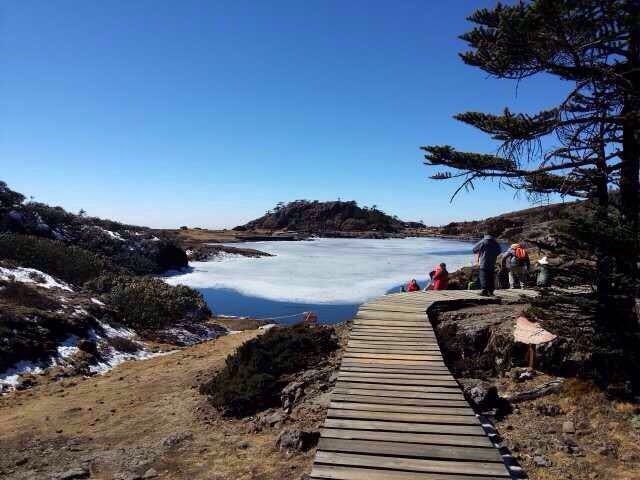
[[396, 412]]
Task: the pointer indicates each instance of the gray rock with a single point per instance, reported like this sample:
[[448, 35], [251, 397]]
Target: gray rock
[[568, 427], [272, 419], [151, 473], [176, 439], [74, 473], [128, 476], [290, 394], [606, 449], [299, 440], [483, 395], [541, 461]]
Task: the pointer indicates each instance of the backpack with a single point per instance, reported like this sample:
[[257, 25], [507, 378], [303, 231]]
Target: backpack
[[519, 254]]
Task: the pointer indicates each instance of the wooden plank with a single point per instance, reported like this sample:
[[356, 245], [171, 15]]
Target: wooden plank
[[394, 356], [424, 368], [413, 418], [497, 470], [430, 373], [376, 407], [391, 308], [411, 450], [418, 402], [384, 325], [397, 378], [359, 389], [392, 349], [402, 327], [345, 377], [397, 340], [377, 341], [383, 344], [478, 441], [367, 334], [339, 472], [355, 424], [395, 375], [373, 314], [394, 388]]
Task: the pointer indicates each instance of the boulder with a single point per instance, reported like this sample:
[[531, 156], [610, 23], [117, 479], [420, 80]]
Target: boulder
[[482, 395], [298, 440], [290, 394], [73, 474]]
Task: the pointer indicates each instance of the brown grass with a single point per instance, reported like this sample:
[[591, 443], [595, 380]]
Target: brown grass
[[127, 413]]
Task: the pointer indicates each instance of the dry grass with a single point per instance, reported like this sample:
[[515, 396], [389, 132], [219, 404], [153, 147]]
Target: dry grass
[[598, 422], [122, 417]]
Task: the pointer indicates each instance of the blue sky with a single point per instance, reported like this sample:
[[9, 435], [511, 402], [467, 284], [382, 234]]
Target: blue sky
[[207, 113]]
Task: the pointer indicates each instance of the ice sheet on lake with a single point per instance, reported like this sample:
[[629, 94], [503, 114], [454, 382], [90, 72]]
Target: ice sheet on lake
[[327, 270]]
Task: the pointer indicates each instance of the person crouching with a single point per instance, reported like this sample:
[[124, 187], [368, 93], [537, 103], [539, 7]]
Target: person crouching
[[439, 278]]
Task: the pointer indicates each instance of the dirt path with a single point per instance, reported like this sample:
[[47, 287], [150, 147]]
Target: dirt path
[[143, 417]]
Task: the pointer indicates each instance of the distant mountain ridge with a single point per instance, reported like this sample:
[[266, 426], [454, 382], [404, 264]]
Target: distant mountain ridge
[[322, 217]]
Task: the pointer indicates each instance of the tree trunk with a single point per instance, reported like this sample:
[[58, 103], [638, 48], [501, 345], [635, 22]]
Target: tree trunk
[[630, 168]]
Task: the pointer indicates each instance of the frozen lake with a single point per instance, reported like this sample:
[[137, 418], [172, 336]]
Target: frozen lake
[[329, 276]]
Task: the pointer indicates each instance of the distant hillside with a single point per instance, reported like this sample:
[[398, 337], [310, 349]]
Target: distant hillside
[[528, 224], [323, 217]]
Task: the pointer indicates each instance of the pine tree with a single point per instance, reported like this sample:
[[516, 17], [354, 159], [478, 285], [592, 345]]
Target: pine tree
[[594, 132]]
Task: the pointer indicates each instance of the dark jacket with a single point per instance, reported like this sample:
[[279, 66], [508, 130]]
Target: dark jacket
[[488, 249]]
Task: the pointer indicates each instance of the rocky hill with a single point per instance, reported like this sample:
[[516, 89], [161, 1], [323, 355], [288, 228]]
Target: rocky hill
[[77, 295], [325, 217], [532, 224]]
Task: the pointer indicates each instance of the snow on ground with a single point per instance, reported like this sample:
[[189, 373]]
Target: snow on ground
[[114, 235], [11, 377], [326, 270], [31, 275]]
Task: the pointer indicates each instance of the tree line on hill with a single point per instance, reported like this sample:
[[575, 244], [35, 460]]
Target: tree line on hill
[[322, 217]]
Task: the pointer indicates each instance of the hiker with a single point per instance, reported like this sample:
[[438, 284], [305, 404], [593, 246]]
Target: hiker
[[412, 286], [439, 278], [543, 278], [487, 250], [517, 261]]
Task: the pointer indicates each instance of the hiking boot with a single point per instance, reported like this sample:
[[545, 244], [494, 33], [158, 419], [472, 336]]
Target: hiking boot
[[484, 293]]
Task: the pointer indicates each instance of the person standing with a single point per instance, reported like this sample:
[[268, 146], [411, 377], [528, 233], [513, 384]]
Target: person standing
[[543, 278], [517, 260], [487, 250]]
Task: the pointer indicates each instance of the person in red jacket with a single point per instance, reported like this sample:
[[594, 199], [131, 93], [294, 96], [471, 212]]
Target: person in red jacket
[[412, 286], [439, 278]]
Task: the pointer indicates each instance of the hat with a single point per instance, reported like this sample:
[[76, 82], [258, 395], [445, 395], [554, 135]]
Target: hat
[[543, 261]]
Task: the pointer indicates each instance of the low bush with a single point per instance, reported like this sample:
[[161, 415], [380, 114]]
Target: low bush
[[69, 263], [147, 303], [253, 377]]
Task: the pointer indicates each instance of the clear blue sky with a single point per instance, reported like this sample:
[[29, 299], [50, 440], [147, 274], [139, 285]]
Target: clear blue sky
[[208, 113]]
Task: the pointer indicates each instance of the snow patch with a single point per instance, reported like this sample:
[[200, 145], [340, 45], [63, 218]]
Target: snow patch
[[114, 235], [28, 275], [11, 377], [97, 302]]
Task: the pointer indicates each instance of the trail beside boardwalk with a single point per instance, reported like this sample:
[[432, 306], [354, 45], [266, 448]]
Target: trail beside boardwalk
[[396, 412]]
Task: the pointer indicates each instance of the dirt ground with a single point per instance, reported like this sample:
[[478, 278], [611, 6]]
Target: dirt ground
[[143, 419], [577, 433]]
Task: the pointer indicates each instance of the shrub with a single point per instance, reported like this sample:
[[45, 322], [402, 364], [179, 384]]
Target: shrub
[[253, 377], [149, 303], [71, 264]]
